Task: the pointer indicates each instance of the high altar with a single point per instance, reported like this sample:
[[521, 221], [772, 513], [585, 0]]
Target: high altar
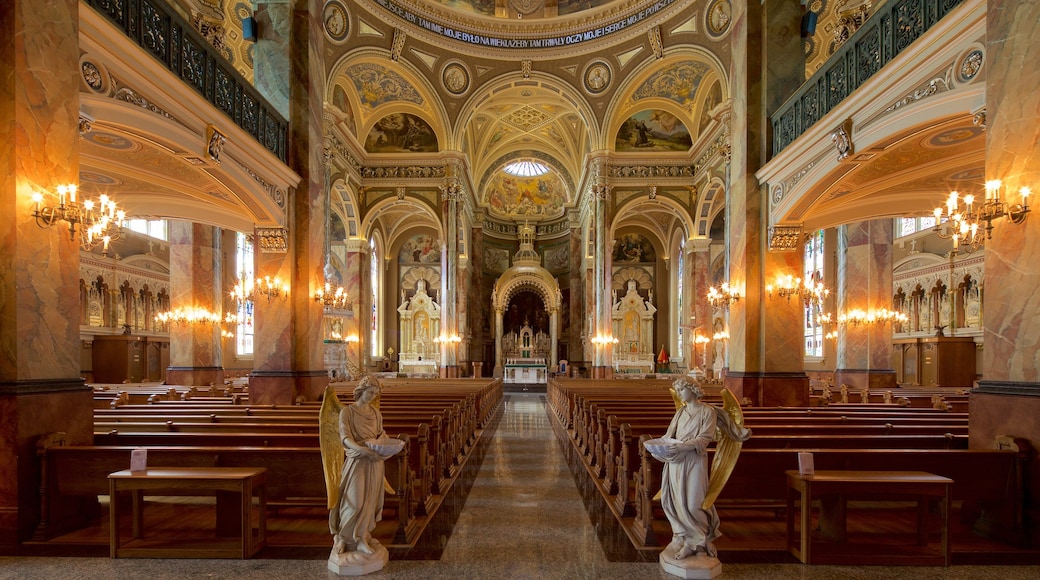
[[525, 354], [420, 325], [633, 324]]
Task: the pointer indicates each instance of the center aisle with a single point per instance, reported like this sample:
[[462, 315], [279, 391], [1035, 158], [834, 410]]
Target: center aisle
[[523, 517]]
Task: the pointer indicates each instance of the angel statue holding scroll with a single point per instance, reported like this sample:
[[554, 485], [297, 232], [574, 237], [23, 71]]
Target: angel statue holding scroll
[[688, 487], [353, 448]]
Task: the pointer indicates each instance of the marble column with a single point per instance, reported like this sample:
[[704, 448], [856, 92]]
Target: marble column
[[233, 364], [358, 286], [41, 390], [865, 283], [698, 252], [195, 284], [450, 196], [1007, 400], [289, 349], [479, 306], [766, 49], [271, 53], [602, 363], [497, 330], [575, 300]]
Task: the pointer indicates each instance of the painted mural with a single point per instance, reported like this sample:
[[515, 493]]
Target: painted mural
[[401, 133], [496, 260], [377, 84], [420, 249], [510, 196], [485, 7], [710, 102], [653, 130], [678, 83], [634, 248], [557, 258], [339, 100]]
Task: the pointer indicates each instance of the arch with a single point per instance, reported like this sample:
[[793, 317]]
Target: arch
[[430, 109], [624, 102]]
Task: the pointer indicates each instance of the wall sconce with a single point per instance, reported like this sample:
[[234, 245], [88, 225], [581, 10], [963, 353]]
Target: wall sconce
[[270, 288], [882, 316], [965, 222], [334, 300], [812, 293], [723, 296], [722, 335], [831, 335], [785, 286], [98, 220]]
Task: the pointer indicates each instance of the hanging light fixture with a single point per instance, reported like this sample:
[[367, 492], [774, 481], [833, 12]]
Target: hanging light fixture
[[98, 220]]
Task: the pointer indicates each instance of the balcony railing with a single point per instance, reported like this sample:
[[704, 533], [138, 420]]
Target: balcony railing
[[165, 35], [881, 38]]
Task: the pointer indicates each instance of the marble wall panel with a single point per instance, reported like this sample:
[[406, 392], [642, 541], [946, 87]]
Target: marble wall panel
[[864, 283], [1012, 291]]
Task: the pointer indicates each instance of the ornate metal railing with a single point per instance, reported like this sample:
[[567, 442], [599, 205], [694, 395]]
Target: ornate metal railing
[[883, 36], [162, 33]]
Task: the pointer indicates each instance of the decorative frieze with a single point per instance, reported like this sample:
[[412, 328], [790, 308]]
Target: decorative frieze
[[785, 238], [272, 240], [642, 171], [406, 172]]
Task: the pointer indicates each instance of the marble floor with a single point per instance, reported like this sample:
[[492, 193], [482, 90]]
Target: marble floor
[[523, 518]]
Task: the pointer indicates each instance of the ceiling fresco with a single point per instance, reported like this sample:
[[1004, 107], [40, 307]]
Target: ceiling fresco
[[511, 197]]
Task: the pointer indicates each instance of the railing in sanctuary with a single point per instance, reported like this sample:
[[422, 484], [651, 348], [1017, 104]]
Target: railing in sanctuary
[[165, 35], [883, 36]]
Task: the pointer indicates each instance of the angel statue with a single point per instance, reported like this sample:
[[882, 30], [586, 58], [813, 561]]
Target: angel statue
[[688, 492], [353, 448]]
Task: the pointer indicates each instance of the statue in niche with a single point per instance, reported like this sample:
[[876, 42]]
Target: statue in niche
[[353, 448], [688, 487]]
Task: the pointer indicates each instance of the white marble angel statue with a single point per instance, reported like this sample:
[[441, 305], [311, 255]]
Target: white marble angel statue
[[688, 487], [353, 449]]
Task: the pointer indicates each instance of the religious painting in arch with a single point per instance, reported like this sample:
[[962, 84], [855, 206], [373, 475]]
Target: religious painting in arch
[[633, 248], [511, 196], [401, 133], [420, 249], [653, 130], [712, 100]]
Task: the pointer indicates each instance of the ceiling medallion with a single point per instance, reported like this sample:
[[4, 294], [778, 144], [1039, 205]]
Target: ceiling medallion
[[455, 78], [597, 77], [718, 17], [337, 24]]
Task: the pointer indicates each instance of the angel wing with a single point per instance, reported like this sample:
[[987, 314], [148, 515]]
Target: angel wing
[[331, 447], [731, 435]]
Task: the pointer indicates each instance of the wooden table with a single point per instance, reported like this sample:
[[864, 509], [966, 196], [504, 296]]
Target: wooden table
[[241, 482], [834, 488]]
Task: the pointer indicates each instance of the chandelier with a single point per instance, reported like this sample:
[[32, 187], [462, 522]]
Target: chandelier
[[332, 299], [189, 316], [722, 297], [98, 220], [966, 220], [267, 287], [880, 316], [604, 339]]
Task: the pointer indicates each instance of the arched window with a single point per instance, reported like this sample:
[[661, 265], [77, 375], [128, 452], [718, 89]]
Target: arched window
[[813, 272], [244, 267]]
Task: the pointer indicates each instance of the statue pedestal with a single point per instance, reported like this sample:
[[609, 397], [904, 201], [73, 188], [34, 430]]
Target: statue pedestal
[[357, 563], [697, 566]]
